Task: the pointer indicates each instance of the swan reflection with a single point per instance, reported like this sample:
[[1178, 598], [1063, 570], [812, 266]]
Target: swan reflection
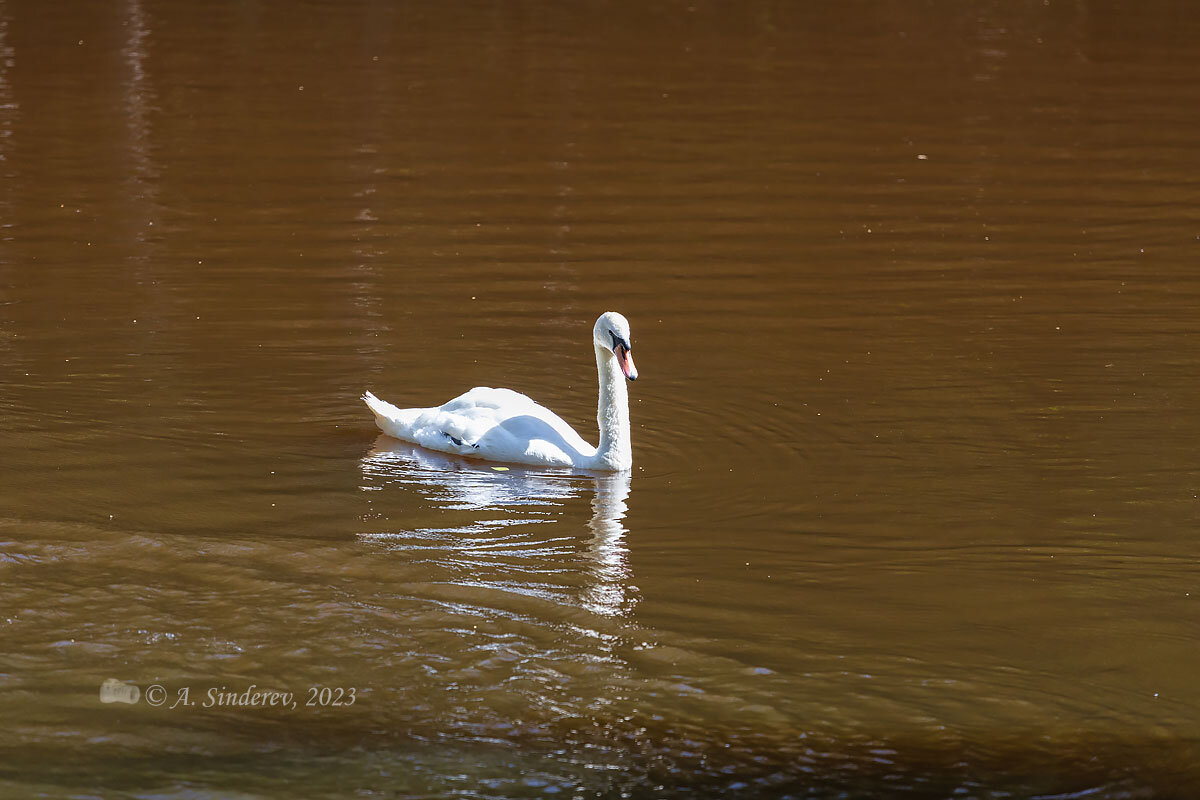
[[509, 527]]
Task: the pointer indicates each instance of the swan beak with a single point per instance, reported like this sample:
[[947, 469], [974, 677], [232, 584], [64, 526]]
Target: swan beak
[[625, 359]]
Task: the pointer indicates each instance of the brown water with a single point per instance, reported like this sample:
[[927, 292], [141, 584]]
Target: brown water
[[914, 297]]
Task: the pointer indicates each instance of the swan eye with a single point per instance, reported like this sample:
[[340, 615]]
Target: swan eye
[[617, 341]]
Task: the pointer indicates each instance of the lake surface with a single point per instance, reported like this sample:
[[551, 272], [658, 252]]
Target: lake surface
[[914, 294]]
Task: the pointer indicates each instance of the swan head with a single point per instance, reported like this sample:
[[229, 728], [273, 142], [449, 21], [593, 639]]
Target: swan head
[[612, 333]]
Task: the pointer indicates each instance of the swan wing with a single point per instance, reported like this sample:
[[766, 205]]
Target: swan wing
[[494, 424]]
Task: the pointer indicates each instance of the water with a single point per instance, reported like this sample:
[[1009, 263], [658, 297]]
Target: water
[[914, 303]]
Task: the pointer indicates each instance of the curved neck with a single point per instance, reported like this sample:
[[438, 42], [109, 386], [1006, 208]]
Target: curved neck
[[612, 414]]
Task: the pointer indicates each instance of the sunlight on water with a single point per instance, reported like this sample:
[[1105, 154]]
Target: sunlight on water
[[503, 538]]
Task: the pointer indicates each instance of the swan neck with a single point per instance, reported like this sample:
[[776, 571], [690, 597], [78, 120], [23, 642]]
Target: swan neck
[[612, 414]]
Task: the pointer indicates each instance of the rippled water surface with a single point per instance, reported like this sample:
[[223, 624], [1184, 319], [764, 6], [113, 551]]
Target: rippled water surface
[[914, 297]]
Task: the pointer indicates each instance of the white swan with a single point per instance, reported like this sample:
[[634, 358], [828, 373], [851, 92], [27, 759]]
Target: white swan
[[503, 425]]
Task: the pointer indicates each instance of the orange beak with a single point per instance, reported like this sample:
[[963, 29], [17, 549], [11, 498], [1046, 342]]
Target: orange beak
[[625, 359]]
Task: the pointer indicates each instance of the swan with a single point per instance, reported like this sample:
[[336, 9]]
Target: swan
[[503, 425]]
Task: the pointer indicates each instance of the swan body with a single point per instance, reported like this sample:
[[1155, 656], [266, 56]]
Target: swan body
[[503, 425]]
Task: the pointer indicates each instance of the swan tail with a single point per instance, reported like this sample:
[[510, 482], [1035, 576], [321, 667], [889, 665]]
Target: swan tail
[[391, 420]]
